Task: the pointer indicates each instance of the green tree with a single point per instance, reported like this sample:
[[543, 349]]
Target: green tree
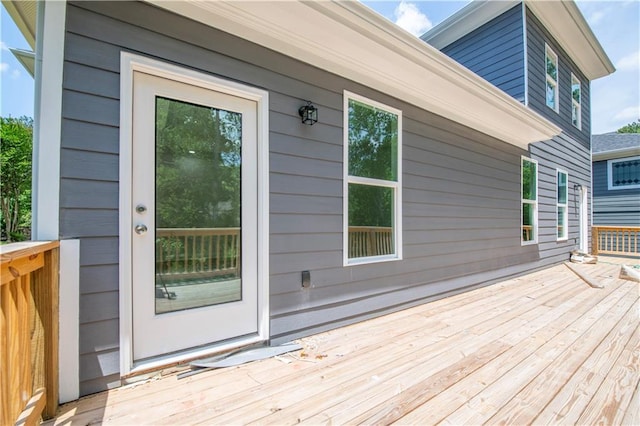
[[630, 128], [16, 144]]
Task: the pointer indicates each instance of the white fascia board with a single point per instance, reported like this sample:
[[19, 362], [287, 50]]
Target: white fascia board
[[615, 153], [350, 40]]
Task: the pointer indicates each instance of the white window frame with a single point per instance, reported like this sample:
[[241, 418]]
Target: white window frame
[[576, 104], [565, 235], [532, 202], [548, 52], [347, 179], [610, 174]]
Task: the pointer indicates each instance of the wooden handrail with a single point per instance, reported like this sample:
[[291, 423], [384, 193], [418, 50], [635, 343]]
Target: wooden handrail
[[617, 240], [29, 331], [366, 241], [197, 252]]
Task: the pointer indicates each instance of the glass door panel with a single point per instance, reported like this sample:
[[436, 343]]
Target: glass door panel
[[197, 205]]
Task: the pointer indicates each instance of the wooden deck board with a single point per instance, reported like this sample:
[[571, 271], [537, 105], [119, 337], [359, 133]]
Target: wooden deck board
[[543, 348]]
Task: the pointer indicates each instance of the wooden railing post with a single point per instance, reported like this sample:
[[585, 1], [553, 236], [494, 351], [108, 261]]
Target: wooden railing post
[[28, 332], [45, 290], [594, 240]]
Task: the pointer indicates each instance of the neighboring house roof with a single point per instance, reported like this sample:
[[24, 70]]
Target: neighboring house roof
[[562, 19], [615, 145]]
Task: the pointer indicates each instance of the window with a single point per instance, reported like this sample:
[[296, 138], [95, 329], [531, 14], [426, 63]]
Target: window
[[624, 173], [529, 201], [551, 61], [576, 106], [372, 196], [562, 206]]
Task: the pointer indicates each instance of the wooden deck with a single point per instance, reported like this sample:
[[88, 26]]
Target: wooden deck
[[545, 348]]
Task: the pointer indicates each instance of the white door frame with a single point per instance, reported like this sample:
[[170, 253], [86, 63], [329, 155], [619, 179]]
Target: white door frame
[[128, 64]]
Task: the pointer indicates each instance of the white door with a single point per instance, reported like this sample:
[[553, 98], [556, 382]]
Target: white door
[[194, 216]]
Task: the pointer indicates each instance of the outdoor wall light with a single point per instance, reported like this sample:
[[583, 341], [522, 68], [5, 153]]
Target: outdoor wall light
[[309, 114]]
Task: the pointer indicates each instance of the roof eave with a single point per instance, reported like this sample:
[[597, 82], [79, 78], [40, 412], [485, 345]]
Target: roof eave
[[349, 39], [562, 19]]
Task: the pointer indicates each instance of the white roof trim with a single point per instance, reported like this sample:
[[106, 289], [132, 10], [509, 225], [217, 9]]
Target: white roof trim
[[615, 153], [562, 19], [26, 58], [349, 39], [23, 13]]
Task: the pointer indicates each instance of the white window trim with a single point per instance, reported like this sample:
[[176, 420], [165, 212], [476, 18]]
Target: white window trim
[[532, 202], [555, 83], [397, 186], [578, 104], [610, 174], [565, 236], [129, 63]]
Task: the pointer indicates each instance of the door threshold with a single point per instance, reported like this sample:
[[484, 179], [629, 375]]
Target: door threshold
[[142, 369]]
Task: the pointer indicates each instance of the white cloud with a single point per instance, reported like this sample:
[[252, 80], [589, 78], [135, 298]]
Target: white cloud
[[3, 46], [409, 17], [629, 113], [15, 74], [630, 62], [4, 67]]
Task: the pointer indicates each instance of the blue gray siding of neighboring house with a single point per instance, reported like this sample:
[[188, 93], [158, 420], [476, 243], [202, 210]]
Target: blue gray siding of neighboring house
[[495, 52], [461, 188], [537, 36], [618, 207]]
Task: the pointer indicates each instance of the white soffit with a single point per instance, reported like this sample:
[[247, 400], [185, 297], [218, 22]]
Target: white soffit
[[23, 13], [349, 39]]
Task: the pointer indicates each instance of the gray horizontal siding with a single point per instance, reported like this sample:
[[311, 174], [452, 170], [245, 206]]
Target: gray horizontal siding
[[461, 188], [619, 207], [537, 36], [495, 51]]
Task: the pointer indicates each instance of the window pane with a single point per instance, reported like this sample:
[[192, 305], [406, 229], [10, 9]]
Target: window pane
[[370, 220], [552, 68], [562, 188], [626, 173], [373, 142], [551, 95], [561, 221], [528, 180], [575, 90], [528, 231], [575, 115]]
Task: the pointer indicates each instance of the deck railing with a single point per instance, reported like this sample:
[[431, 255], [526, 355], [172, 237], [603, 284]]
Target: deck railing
[[367, 241], [197, 252], [617, 240], [28, 332]]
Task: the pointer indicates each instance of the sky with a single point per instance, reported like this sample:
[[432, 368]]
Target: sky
[[615, 100]]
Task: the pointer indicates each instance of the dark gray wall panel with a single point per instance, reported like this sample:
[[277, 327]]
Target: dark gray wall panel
[[537, 36], [619, 207], [495, 52], [461, 188]]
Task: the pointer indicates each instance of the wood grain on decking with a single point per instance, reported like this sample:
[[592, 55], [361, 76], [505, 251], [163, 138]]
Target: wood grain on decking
[[544, 348]]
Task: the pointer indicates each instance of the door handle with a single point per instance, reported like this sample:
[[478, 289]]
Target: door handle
[[140, 229]]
